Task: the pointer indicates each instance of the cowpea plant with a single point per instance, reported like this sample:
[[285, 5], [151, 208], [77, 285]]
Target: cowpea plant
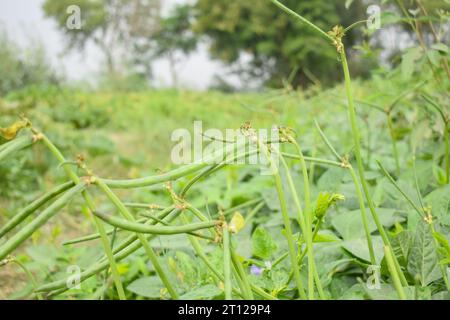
[[234, 277], [144, 230]]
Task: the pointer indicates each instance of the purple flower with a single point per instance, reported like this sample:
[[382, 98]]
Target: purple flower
[[255, 270]]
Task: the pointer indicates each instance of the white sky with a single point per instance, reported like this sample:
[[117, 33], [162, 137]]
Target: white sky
[[24, 21]]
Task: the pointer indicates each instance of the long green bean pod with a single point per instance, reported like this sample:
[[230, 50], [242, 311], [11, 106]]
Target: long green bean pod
[[216, 157], [32, 207], [161, 230], [123, 250], [38, 222], [15, 145]]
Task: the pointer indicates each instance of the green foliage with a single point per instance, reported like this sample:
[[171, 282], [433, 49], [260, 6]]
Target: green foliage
[[423, 262], [23, 67], [275, 43], [263, 245]]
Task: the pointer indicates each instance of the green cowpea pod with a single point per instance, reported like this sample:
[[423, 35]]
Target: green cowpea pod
[[39, 221], [11, 147], [32, 207], [162, 230]]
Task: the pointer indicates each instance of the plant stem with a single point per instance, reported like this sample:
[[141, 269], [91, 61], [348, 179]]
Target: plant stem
[[356, 141], [286, 221], [362, 207], [28, 274], [242, 274], [394, 143], [108, 251], [299, 17], [391, 265], [148, 249], [306, 229], [90, 204], [358, 193], [226, 263], [447, 153]]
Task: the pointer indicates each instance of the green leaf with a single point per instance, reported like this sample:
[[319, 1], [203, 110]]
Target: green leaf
[[349, 224], [263, 245], [326, 237], [409, 62], [440, 47], [358, 248], [439, 200], [149, 287], [206, 292], [401, 245], [423, 258]]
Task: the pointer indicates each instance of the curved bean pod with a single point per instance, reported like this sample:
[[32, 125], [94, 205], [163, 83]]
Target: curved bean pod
[[215, 158], [162, 230], [15, 145], [48, 213], [129, 246], [32, 207]]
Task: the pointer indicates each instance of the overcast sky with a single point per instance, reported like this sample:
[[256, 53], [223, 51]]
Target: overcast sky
[[24, 22]]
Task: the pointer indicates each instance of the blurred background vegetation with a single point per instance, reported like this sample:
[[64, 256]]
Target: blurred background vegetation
[[122, 123], [257, 43]]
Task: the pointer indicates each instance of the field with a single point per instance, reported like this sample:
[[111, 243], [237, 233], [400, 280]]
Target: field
[[127, 135], [350, 200]]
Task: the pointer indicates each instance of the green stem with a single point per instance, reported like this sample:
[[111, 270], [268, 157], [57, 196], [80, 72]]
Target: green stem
[[362, 207], [28, 274], [108, 251], [447, 153], [148, 249], [90, 204], [286, 220], [227, 263], [242, 274], [394, 143], [358, 193], [356, 141], [299, 17], [306, 229], [392, 269]]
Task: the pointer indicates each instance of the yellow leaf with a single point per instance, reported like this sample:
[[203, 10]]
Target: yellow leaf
[[237, 222], [12, 131]]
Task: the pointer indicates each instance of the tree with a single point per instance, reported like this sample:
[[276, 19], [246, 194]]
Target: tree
[[275, 43], [21, 67], [112, 25], [174, 39]]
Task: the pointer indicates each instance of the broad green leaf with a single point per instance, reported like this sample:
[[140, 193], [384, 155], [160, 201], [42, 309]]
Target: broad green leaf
[[439, 200], [263, 245], [331, 180], [149, 287], [349, 224], [387, 292], [409, 60], [206, 292], [401, 244], [440, 47], [423, 258], [358, 248]]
